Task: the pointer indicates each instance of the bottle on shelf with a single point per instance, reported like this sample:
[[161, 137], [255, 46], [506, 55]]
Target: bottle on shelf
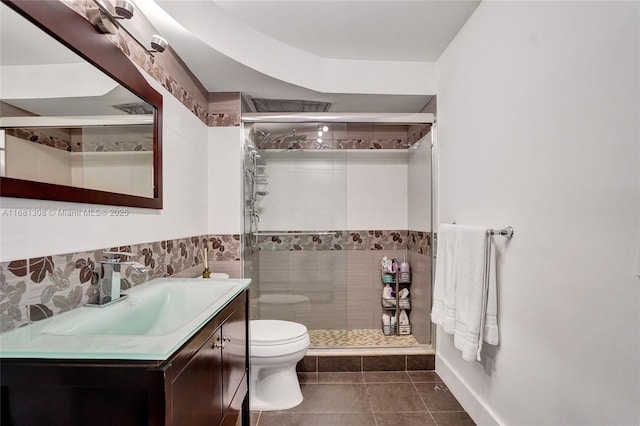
[[388, 299], [404, 273], [396, 277]]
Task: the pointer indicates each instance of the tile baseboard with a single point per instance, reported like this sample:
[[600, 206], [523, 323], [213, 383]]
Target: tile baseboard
[[361, 363]]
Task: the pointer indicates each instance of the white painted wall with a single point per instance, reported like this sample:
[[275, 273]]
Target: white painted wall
[[538, 106], [224, 168], [185, 175]]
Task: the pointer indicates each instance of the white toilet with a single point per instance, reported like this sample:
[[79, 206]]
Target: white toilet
[[276, 347]]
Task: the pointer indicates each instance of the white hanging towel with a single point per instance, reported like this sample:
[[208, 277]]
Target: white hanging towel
[[464, 294]]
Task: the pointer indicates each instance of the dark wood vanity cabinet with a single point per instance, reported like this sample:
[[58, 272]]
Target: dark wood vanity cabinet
[[205, 382], [199, 378], [219, 370]]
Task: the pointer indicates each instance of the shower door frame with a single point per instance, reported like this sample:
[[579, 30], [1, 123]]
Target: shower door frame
[[364, 118]]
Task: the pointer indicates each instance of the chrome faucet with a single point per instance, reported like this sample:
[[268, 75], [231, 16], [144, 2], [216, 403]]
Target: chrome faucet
[[108, 278]]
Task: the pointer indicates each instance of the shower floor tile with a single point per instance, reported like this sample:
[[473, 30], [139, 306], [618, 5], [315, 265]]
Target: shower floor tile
[[358, 338]]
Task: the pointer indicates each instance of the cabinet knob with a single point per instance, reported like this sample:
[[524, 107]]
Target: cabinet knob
[[218, 344]]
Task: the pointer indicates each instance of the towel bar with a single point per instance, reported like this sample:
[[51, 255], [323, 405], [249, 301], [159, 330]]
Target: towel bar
[[292, 234], [505, 232]]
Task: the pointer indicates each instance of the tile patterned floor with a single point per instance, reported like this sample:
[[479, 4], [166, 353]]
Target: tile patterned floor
[[398, 398], [357, 338]]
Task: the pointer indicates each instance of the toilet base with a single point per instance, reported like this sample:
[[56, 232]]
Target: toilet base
[[274, 389]]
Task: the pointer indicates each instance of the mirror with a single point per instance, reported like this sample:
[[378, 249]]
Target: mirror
[[78, 122]]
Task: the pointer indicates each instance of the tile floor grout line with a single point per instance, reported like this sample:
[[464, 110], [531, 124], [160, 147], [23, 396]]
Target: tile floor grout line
[[322, 412], [373, 413], [425, 404]]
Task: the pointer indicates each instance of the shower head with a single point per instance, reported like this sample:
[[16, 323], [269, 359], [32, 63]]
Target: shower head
[[265, 136]]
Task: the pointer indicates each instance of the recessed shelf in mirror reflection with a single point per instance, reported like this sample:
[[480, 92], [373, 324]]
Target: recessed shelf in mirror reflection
[[75, 105]]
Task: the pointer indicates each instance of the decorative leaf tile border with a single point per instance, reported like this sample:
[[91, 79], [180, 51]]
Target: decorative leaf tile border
[[39, 137], [351, 138], [223, 247], [418, 132], [125, 143], [337, 240], [13, 287], [417, 241], [223, 120], [40, 287], [335, 144], [135, 144]]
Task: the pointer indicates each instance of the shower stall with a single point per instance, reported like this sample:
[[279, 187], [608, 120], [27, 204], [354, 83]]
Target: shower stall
[[325, 200]]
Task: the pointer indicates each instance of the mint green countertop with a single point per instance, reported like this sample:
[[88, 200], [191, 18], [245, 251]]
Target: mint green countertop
[[151, 323]]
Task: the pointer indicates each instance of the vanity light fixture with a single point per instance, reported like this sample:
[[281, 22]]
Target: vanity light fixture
[[105, 15], [158, 44], [124, 9]]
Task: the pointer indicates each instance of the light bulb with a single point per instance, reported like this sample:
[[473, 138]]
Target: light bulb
[[319, 140], [319, 132], [325, 128]]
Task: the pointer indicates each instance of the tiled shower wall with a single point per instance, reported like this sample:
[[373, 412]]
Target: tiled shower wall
[[334, 283], [351, 136], [37, 288]]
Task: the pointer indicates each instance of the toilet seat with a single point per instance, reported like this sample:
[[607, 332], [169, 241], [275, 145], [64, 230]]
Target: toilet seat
[[276, 332]]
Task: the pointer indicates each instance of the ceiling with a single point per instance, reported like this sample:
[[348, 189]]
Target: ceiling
[[361, 56], [370, 30]]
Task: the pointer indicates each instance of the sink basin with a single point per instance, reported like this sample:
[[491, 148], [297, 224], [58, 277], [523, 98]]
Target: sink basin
[[151, 310], [151, 323]]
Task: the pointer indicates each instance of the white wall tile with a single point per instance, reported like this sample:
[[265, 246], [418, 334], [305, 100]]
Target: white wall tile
[[225, 180], [339, 191]]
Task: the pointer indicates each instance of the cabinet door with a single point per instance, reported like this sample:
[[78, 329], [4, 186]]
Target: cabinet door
[[234, 354], [197, 391]]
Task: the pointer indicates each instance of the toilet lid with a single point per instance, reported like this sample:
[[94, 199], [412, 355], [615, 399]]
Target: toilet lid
[[269, 332]]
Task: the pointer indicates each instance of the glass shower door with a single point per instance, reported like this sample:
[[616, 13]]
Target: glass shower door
[[300, 209]]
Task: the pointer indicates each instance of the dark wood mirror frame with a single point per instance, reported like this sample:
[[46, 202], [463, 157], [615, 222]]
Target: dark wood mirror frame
[[76, 33]]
